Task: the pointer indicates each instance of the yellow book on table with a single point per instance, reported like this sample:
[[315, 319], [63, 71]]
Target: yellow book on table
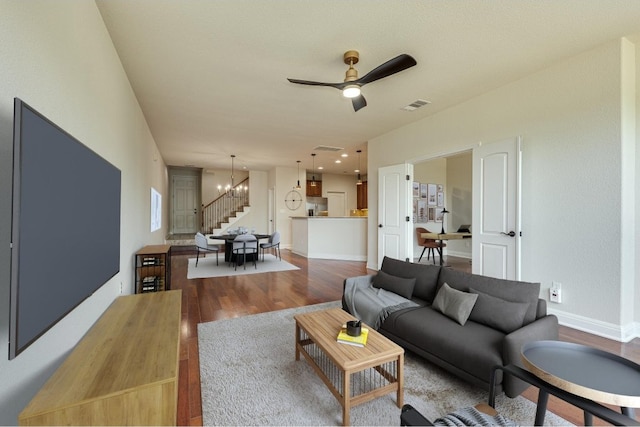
[[359, 341]]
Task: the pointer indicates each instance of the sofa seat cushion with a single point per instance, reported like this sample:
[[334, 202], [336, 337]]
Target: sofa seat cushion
[[473, 348]]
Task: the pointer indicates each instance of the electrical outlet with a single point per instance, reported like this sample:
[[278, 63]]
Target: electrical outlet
[[555, 292]]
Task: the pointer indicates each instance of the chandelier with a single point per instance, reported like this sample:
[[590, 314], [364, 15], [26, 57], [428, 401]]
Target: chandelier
[[230, 190]]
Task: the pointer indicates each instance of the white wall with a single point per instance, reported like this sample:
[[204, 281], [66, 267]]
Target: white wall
[[569, 116], [58, 57], [284, 181], [636, 219]]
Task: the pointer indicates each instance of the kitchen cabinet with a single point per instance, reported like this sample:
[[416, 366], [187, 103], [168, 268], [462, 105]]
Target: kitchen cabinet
[[314, 191], [362, 196]]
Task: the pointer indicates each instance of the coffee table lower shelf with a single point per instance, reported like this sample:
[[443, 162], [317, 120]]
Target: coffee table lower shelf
[[354, 380]]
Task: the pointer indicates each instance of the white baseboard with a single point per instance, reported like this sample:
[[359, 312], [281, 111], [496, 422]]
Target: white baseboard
[[343, 257], [612, 331], [458, 254]]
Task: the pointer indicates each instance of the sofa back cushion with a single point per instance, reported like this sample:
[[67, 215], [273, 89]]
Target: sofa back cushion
[[454, 304], [500, 314], [508, 290], [397, 285], [426, 276]]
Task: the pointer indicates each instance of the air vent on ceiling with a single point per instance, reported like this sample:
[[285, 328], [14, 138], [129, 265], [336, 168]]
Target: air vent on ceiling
[[327, 148], [416, 104]]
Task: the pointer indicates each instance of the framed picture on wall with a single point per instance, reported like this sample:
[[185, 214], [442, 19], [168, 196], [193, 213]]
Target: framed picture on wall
[[423, 191], [156, 210], [416, 189], [439, 214], [440, 198], [431, 215], [422, 211], [415, 210], [432, 194]]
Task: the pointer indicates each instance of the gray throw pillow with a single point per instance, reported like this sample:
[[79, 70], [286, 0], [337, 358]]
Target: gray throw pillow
[[454, 303], [397, 285], [500, 314]]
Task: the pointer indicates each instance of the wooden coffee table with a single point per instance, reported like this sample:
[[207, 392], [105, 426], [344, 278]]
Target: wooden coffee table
[[353, 374]]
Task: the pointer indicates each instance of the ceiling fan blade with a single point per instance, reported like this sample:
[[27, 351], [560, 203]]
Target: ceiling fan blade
[[392, 66], [358, 102], [310, 83]]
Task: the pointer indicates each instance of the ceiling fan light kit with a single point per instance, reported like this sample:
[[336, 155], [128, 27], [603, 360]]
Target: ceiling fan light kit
[[351, 91], [351, 87]]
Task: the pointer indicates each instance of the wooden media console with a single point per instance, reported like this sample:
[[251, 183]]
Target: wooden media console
[[124, 371]]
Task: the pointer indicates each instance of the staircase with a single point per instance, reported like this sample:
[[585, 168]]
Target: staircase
[[221, 213]]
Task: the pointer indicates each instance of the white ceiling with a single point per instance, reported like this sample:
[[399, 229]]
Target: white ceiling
[[211, 75]]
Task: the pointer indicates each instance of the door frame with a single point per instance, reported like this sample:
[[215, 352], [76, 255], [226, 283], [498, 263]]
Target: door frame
[[441, 155], [470, 148]]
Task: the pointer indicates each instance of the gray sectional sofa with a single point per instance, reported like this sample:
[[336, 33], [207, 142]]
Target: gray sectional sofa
[[462, 322]]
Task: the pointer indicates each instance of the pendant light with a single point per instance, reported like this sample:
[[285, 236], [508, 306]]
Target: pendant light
[[229, 190], [359, 176], [313, 170], [298, 187]]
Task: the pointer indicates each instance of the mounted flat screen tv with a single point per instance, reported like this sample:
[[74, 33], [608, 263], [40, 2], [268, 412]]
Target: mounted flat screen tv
[[65, 241]]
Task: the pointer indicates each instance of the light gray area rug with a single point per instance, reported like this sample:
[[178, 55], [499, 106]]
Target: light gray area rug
[[249, 376], [207, 267]]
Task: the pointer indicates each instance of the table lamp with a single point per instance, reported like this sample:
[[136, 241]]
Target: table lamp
[[444, 211]]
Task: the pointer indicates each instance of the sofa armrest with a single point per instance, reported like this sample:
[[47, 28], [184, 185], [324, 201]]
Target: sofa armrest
[[545, 328], [358, 280]]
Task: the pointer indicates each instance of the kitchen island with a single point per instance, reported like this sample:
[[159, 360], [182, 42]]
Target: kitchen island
[[329, 237]]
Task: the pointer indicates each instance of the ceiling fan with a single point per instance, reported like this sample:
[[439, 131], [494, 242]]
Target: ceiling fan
[[351, 86]]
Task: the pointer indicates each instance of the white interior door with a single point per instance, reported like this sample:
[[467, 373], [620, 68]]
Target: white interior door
[[496, 209], [185, 204], [394, 212]]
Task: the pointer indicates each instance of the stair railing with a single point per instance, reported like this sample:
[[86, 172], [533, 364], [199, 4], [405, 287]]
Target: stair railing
[[224, 207]]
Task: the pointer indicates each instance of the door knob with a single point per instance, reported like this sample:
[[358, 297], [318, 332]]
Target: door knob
[[510, 234]]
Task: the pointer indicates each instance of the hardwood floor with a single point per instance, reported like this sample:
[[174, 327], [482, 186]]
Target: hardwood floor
[[317, 281]]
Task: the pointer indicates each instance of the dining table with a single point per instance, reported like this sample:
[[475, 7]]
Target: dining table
[[228, 242], [441, 237]]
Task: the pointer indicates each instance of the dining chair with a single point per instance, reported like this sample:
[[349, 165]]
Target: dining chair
[[429, 244], [273, 243], [243, 245], [203, 245]]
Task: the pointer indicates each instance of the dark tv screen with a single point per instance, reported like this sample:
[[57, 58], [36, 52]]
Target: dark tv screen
[[65, 225]]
